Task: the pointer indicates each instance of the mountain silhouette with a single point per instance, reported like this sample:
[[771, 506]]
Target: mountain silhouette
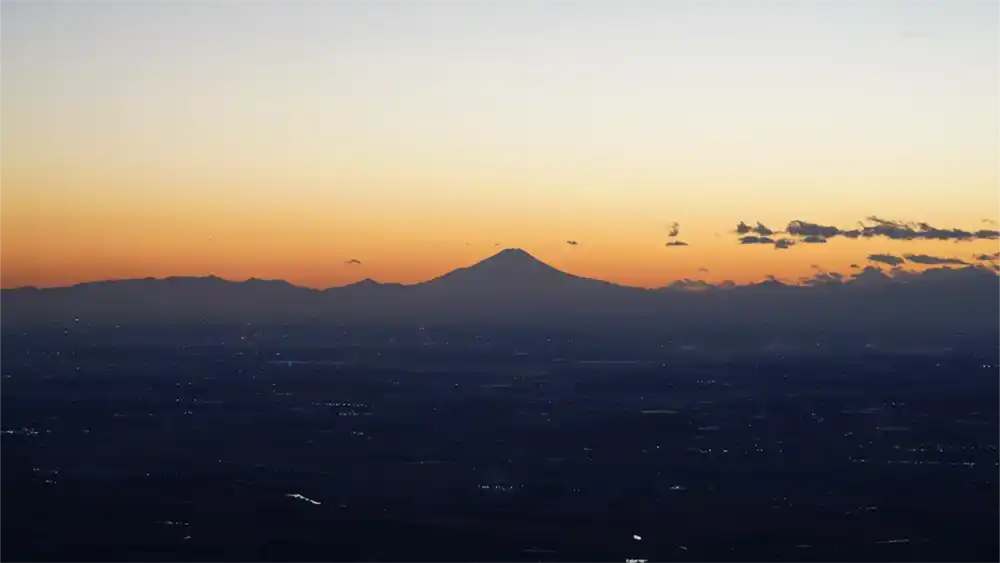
[[514, 289], [512, 271]]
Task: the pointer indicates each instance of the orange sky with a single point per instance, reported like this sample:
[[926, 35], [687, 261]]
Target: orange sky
[[280, 140]]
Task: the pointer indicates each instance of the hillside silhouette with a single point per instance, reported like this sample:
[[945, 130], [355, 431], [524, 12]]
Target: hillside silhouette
[[513, 288]]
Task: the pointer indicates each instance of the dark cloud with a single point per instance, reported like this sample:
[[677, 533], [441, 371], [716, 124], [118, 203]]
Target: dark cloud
[[352, 262], [994, 256], [783, 244], [875, 227], [814, 239], [989, 221], [935, 260], [572, 243], [806, 229], [855, 267], [884, 259], [754, 239], [763, 231], [675, 229], [677, 243], [900, 230]]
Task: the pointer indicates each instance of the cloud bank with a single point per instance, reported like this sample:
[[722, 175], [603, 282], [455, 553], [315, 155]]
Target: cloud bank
[[872, 227], [933, 260], [885, 259]]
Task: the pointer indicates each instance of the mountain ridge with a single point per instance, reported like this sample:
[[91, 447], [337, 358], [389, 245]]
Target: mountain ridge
[[513, 288]]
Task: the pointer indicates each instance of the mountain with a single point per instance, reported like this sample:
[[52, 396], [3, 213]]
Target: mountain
[[513, 288], [512, 270]]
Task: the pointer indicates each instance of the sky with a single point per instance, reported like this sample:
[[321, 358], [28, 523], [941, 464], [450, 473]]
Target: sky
[[282, 139]]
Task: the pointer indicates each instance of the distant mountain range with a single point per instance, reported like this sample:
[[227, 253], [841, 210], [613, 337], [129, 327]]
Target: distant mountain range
[[512, 288]]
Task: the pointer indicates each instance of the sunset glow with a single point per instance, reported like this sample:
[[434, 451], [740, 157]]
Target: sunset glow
[[280, 140]]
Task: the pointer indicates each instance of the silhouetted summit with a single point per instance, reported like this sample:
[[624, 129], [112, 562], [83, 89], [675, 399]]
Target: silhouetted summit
[[509, 270]]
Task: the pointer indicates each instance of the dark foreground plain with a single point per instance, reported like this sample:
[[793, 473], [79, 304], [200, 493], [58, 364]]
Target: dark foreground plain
[[247, 443]]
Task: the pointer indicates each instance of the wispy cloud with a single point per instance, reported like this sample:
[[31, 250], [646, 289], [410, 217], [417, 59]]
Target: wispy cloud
[[677, 243], [994, 256], [759, 229], [934, 260], [884, 259], [754, 239], [814, 239], [874, 226], [352, 262]]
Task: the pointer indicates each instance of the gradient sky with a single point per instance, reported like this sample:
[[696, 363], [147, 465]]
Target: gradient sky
[[279, 139]]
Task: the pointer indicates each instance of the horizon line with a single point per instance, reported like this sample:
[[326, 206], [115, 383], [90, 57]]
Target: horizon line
[[703, 283]]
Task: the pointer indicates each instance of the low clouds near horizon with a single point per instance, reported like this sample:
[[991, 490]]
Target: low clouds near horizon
[[924, 259], [760, 229], [815, 233], [352, 262], [933, 260], [886, 259]]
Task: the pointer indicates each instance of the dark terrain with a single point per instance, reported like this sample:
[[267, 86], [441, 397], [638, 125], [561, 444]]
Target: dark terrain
[[421, 444]]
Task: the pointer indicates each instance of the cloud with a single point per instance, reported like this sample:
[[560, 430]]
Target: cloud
[[994, 256], [763, 231], [703, 269], [806, 229], [855, 267], [910, 231], [783, 244], [989, 221], [572, 243], [875, 227], [753, 239], [884, 259], [814, 239], [677, 243], [936, 260], [675, 229], [352, 262]]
